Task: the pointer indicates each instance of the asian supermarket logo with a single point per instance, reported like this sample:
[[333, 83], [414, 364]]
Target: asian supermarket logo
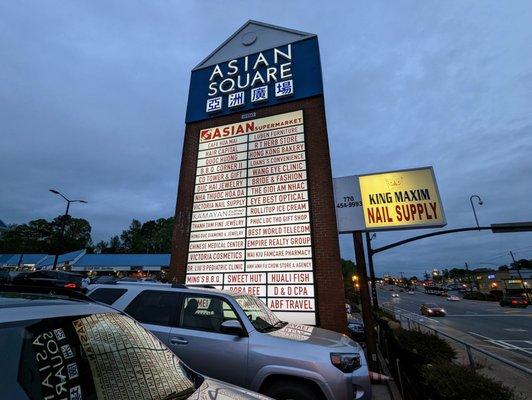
[[248, 79], [227, 131]]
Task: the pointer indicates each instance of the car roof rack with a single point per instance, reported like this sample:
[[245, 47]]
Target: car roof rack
[[179, 286], [182, 286], [47, 290]]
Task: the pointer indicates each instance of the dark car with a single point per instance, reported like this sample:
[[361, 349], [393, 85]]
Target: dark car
[[432, 310], [4, 276], [356, 330], [58, 279], [65, 346], [514, 302], [105, 279]]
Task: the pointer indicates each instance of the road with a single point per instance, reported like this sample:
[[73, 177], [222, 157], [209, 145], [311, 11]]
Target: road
[[502, 330]]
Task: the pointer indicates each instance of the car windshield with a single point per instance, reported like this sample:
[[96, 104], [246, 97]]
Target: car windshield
[[262, 318], [99, 356], [432, 305]]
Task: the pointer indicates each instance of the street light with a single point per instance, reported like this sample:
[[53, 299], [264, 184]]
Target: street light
[[473, 207], [63, 223]]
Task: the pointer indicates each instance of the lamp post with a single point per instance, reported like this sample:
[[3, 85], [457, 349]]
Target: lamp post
[[480, 202], [63, 223]]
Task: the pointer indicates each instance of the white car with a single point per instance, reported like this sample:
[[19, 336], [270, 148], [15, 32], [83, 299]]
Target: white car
[[410, 292], [453, 298]]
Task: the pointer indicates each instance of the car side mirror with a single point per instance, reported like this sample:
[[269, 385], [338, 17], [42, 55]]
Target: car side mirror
[[232, 327]]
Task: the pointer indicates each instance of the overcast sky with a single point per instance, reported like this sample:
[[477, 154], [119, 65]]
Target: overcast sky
[[93, 98]]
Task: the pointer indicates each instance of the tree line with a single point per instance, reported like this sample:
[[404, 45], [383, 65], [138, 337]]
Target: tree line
[[42, 236]]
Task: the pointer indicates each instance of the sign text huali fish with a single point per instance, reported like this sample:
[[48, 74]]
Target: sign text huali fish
[[401, 199]]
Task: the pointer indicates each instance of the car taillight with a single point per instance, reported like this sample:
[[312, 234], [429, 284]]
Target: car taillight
[[70, 285], [514, 301]]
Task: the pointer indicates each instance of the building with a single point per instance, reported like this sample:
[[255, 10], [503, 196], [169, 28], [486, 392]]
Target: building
[[21, 260], [509, 282], [80, 261]]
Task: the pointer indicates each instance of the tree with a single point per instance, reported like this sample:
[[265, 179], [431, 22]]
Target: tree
[[42, 236], [458, 273], [132, 238], [348, 272], [522, 264], [153, 236]]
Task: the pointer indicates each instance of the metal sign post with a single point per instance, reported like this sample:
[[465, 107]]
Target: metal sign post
[[367, 314]]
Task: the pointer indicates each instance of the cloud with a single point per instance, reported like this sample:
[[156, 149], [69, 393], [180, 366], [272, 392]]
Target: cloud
[[94, 93]]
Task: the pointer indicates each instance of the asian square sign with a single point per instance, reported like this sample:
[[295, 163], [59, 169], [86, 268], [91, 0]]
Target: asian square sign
[[401, 199], [255, 205]]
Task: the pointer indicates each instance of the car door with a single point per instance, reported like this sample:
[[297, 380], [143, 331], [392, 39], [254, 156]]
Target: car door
[[197, 339], [156, 310]]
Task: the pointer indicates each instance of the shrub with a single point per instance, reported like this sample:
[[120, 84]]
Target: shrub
[[420, 348], [455, 382]]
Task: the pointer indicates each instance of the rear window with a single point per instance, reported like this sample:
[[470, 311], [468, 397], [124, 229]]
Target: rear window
[[70, 277], [100, 356], [106, 295], [156, 307]]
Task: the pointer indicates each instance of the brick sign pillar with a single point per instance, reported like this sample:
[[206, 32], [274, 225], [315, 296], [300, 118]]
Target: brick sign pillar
[[224, 232]]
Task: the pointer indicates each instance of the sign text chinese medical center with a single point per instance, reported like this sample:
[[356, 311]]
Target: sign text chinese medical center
[[255, 208]]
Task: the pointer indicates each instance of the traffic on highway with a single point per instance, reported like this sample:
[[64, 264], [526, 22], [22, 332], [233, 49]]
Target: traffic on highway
[[506, 331]]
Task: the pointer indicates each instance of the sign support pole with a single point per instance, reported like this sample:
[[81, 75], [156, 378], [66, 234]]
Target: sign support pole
[[367, 314], [372, 273]]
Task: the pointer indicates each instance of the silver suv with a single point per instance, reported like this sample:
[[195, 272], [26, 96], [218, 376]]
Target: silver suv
[[237, 339], [62, 345]]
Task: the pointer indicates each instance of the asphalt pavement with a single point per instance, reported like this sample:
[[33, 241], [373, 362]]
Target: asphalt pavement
[[503, 330]]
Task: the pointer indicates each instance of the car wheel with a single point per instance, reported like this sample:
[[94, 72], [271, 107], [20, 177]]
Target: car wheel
[[292, 390]]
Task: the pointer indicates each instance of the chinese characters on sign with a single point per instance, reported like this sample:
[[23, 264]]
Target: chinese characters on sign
[[259, 94], [251, 227]]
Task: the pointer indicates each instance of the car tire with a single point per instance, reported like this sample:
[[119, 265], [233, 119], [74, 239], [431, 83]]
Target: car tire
[[292, 390]]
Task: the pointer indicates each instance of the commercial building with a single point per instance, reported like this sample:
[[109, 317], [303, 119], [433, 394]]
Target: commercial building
[[509, 282], [80, 261]]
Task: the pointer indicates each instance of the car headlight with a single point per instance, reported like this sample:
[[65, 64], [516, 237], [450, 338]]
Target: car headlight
[[345, 362], [429, 311]]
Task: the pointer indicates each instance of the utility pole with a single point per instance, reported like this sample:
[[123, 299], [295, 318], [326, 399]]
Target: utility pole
[[519, 273], [367, 314], [372, 273], [470, 277]]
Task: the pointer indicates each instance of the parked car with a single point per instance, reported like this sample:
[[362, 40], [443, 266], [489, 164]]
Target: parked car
[[64, 345], [432, 310], [58, 279], [356, 329], [514, 302], [453, 298], [105, 279], [253, 348], [5, 277]]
